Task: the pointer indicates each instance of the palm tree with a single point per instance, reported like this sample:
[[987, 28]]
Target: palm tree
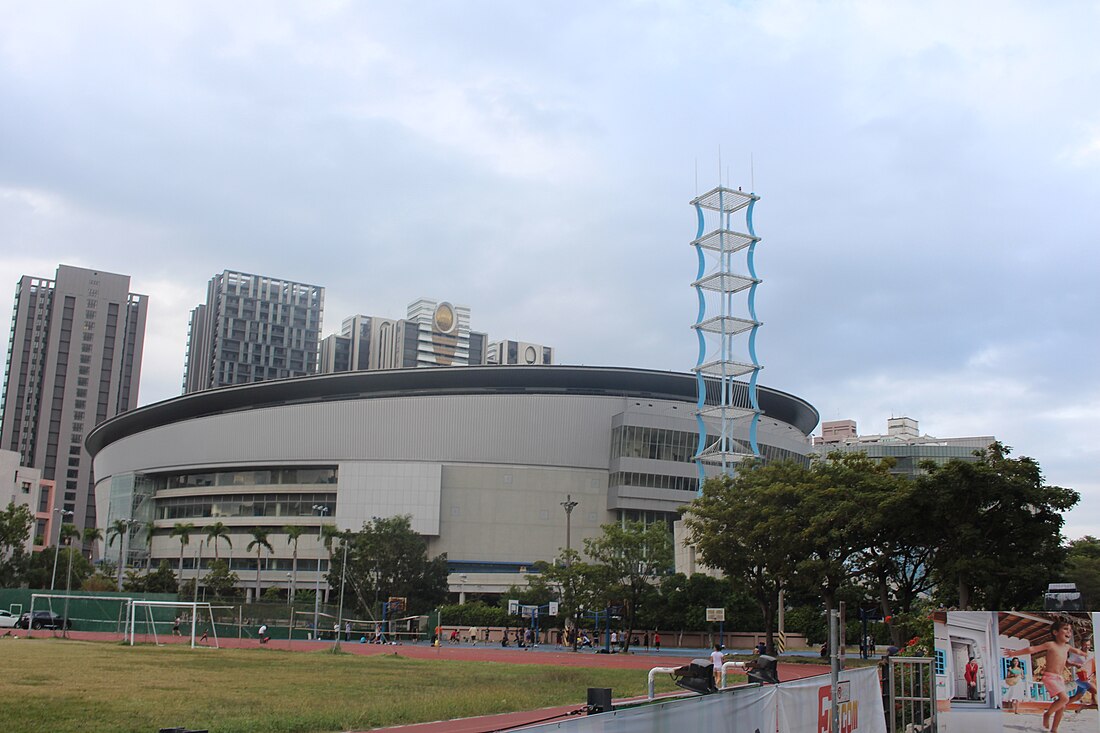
[[259, 541], [118, 530], [92, 534], [218, 531], [183, 531], [67, 533], [328, 534], [148, 547], [293, 533]]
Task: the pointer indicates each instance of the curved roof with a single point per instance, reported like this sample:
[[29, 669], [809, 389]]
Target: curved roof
[[565, 380]]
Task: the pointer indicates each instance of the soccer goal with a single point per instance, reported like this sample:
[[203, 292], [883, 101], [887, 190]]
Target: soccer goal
[[82, 612], [164, 614]]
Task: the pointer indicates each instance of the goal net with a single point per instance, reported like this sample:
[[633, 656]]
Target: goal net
[[159, 619], [61, 612]]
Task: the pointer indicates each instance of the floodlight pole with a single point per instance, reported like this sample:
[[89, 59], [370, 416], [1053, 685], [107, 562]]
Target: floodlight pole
[[340, 614], [322, 510], [57, 543], [68, 592], [198, 569]]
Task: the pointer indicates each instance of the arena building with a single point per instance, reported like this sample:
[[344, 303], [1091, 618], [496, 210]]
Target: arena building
[[481, 458]]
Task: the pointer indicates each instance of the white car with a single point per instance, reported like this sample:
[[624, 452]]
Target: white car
[[7, 621]]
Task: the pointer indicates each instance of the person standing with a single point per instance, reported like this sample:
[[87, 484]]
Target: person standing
[[347, 631], [176, 627], [717, 658], [614, 639], [970, 675], [657, 640], [263, 633]]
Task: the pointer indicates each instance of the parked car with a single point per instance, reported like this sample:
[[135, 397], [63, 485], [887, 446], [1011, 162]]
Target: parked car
[[44, 620], [7, 620]]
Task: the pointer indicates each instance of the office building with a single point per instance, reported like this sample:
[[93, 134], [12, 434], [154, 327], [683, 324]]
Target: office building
[[251, 329], [481, 458], [433, 334], [902, 441], [519, 352], [74, 360]]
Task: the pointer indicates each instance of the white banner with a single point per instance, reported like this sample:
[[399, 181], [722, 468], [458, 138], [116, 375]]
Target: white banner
[[805, 706], [750, 710]]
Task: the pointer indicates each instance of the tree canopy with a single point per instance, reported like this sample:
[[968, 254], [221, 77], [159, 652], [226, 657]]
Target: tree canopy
[[388, 558]]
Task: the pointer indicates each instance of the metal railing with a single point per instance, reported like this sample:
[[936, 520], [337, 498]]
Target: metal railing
[[910, 695]]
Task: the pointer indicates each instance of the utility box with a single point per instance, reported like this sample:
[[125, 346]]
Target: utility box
[[599, 700]]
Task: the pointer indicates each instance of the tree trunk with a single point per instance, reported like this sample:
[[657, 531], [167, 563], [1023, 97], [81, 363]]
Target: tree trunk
[[964, 593]]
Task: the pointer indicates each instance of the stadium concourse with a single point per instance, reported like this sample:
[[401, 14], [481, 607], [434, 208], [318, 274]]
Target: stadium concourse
[[546, 656]]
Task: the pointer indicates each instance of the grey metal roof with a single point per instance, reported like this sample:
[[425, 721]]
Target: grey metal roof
[[564, 380]]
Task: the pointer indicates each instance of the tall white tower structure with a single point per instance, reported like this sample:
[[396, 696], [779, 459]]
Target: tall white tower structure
[[727, 367]]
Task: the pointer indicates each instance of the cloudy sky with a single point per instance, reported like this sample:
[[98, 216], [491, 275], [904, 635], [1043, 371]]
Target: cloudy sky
[[929, 173]]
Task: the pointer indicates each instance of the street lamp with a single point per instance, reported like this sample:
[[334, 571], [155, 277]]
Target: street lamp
[[322, 510], [568, 505], [57, 542]]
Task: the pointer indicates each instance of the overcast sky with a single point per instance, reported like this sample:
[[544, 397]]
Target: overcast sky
[[929, 174]]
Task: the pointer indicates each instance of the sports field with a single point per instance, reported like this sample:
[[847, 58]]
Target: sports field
[[61, 685]]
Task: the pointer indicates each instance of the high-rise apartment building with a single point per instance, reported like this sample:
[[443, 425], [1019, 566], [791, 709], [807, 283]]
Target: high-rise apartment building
[[74, 360], [434, 334], [252, 328]]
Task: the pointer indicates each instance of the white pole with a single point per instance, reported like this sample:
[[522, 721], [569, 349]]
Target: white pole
[[194, 622]]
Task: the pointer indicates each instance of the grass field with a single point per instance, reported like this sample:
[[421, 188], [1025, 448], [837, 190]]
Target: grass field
[[57, 685]]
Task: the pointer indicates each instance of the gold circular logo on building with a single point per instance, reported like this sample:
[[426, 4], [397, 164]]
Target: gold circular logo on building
[[444, 318]]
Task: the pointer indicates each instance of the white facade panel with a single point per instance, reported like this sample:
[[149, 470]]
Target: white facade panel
[[385, 489]]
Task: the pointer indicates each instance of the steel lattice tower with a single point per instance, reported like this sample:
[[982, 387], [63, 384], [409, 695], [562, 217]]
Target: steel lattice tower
[[726, 287]]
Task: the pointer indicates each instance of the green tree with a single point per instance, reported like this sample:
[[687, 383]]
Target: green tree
[[843, 505], [183, 532], [294, 532], [163, 580], [998, 528], [1083, 568], [577, 585], [387, 558], [747, 526], [119, 530], [259, 543], [15, 529], [216, 532], [220, 579], [635, 556]]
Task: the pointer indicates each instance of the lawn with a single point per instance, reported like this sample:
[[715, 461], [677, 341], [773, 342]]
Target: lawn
[[58, 685]]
